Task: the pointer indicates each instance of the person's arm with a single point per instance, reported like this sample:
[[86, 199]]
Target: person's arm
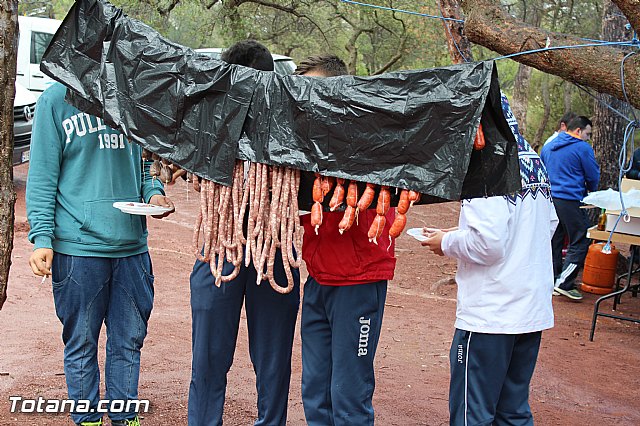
[[484, 238], [153, 191], [42, 184]]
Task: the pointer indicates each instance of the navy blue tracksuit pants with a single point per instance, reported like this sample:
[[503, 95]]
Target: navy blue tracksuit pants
[[490, 376], [340, 331], [574, 223], [271, 321]]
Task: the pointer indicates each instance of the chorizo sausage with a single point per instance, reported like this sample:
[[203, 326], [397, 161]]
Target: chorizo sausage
[[347, 219], [367, 197], [376, 228], [398, 225], [384, 201], [403, 203]]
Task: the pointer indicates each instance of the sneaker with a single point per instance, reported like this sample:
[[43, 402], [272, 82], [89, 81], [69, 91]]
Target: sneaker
[[96, 423], [130, 422], [572, 294], [555, 293]]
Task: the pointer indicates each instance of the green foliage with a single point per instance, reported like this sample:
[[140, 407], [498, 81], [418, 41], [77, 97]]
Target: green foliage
[[368, 39]]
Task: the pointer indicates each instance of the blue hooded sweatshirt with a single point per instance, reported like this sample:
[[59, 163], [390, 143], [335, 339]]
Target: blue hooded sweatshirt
[[572, 167]]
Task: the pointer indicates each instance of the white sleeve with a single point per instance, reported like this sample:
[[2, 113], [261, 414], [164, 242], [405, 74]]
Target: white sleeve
[[554, 221], [483, 233]]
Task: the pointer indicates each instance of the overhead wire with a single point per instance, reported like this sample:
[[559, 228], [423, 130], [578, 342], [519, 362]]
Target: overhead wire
[[633, 124]]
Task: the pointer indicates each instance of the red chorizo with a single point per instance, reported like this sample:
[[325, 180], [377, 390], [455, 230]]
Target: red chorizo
[[478, 142], [347, 219], [317, 189], [376, 228], [352, 194], [316, 216], [384, 201], [338, 195], [413, 197], [403, 203], [367, 197], [398, 225]]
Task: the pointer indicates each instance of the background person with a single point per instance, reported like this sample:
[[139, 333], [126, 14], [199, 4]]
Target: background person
[[562, 125], [97, 255], [573, 172]]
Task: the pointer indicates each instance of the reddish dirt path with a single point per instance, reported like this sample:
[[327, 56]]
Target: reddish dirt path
[[577, 382]]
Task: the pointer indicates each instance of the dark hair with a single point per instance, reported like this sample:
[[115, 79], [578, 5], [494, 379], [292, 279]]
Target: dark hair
[[249, 53], [328, 64], [566, 118], [579, 122]]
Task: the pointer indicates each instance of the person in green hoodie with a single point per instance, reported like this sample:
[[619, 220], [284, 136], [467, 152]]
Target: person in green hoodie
[[96, 255]]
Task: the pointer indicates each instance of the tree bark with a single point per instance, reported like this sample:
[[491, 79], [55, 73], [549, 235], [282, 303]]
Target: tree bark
[[597, 67], [457, 43], [8, 51], [608, 131], [546, 102], [520, 101]]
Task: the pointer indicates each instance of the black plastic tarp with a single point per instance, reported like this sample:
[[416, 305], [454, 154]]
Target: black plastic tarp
[[411, 129]]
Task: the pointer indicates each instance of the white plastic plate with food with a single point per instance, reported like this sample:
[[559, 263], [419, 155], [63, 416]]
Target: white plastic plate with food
[[417, 234], [140, 208]]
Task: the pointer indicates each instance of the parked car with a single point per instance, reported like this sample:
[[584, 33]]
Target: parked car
[[282, 64], [24, 106], [35, 36]]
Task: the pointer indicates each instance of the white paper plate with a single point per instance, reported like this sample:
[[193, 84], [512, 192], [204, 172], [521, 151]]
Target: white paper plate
[[140, 208], [417, 234]]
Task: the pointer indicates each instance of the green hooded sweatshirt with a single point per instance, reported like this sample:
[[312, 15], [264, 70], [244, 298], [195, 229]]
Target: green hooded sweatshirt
[[78, 168]]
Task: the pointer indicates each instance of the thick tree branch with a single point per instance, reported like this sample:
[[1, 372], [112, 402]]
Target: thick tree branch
[[630, 9], [598, 67]]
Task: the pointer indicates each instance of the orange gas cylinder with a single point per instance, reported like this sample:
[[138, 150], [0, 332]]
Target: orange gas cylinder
[[599, 274]]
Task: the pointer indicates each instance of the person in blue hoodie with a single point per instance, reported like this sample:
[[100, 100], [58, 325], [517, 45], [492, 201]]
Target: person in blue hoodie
[[573, 172], [96, 255]]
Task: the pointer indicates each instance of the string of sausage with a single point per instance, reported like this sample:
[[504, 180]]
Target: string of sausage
[[270, 194]]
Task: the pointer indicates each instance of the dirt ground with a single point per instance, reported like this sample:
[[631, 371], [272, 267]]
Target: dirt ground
[[577, 382]]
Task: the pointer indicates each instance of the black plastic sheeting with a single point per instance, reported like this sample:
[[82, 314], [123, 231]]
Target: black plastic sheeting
[[411, 129]]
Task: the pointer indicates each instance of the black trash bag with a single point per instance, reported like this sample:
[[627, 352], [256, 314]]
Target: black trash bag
[[411, 129]]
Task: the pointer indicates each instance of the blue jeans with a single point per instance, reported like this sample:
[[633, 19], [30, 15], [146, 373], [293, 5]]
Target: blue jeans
[[88, 291]]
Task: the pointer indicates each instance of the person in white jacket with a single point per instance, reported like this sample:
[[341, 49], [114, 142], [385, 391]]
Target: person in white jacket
[[505, 281]]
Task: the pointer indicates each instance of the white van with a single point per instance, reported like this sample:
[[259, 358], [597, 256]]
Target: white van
[[35, 36]]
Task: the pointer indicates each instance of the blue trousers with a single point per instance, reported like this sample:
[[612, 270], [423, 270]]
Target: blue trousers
[[271, 322], [574, 223], [340, 332], [88, 291], [490, 376]]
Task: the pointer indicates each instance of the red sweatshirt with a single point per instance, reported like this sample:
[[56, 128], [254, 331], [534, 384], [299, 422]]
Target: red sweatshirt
[[348, 259]]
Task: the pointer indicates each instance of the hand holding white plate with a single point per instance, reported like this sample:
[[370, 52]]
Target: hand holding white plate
[[417, 234], [140, 208]]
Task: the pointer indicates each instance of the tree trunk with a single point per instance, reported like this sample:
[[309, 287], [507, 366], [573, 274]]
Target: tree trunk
[[520, 101], [8, 50], [457, 43], [598, 67], [546, 102], [608, 132]]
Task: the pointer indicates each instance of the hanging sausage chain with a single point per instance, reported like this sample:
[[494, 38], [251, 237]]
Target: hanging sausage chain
[[323, 184], [270, 195]]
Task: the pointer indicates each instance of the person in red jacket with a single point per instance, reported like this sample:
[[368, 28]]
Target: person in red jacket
[[343, 304]]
